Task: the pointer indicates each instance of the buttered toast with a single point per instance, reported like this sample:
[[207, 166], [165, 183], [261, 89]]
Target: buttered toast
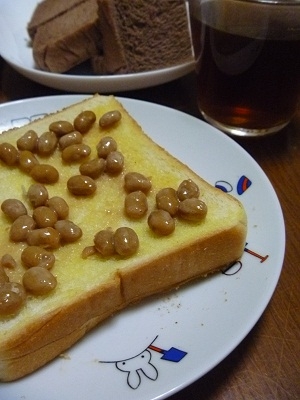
[[114, 249]]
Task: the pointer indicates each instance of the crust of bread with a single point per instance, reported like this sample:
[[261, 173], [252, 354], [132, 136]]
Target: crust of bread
[[114, 60], [28, 343], [70, 323], [57, 331]]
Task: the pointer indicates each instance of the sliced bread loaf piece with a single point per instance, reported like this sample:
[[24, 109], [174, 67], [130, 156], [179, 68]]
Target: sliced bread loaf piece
[[69, 39], [143, 35], [48, 10]]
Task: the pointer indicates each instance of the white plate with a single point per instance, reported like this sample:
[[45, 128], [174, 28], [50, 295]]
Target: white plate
[[15, 49], [206, 319]]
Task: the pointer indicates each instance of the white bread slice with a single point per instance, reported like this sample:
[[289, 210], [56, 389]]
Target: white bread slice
[[90, 290]]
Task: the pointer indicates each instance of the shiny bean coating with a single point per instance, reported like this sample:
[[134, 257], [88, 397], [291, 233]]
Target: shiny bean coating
[[48, 238], [44, 217], [75, 152], [33, 256], [104, 242], [44, 173], [28, 141], [27, 160], [88, 251], [114, 163], [84, 121], [188, 189], [166, 199], [68, 231], [7, 261], [69, 139], [12, 298], [81, 185], [3, 276], [13, 208], [47, 143], [110, 118], [161, 222], [136, 204], [135, 181], [106, 145], [39, 281], [93, 168], [37, 195], [126, 241], [21, 227], [9, 154], [59, 206], [192, 209], [61, 128]]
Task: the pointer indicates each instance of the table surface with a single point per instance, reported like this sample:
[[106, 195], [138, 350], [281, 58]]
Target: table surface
[[266, 365]]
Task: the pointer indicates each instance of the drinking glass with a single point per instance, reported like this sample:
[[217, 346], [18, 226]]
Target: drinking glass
[[247, 62]]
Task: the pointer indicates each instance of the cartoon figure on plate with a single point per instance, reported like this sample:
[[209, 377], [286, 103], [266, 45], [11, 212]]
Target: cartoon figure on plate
[[243, 184], [140, 365], [137, 365]]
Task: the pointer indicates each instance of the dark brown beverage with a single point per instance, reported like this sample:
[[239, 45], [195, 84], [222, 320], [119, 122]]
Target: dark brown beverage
[[247, 82]]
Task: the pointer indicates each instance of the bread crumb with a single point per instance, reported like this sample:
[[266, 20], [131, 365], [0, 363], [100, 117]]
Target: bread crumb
[[65, 356]]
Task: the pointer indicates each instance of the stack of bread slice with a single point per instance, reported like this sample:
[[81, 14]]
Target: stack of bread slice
[[115, 36]]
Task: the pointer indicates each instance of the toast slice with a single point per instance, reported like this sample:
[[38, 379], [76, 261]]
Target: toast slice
[[90, 289]]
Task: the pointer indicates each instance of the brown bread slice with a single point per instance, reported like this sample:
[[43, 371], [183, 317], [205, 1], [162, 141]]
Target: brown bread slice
[[47, 10], [143, 35], [69, 39]]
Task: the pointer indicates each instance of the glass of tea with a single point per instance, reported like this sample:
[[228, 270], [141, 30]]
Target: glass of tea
[[247, 62]]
